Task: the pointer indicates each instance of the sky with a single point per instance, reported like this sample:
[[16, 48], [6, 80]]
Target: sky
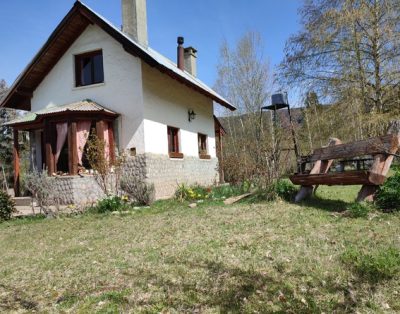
[[25, 25]]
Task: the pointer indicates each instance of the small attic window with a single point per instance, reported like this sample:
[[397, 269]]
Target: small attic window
[[89, 68]]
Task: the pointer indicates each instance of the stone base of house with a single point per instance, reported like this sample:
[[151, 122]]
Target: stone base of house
[[167, 173], [164, 172], [78, 190]]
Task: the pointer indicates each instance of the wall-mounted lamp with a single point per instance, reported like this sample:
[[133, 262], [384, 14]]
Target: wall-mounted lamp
[[191, 114]]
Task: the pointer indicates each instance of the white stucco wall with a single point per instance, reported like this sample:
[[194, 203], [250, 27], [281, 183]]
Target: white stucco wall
[[120, 92], [166, 103], [147, 100]]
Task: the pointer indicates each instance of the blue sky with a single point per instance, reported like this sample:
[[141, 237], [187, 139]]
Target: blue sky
[[25, 26]]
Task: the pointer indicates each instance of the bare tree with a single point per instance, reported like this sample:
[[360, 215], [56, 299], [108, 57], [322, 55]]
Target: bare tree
[[348, 50], [251, 148], [244, 74]]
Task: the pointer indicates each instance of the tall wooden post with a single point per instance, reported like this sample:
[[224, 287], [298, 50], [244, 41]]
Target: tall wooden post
[[16, 164], [100, 129], [72, 149], [49, 135], [112, 142]]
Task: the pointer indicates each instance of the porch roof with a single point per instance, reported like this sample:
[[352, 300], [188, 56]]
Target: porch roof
[[85, 105]]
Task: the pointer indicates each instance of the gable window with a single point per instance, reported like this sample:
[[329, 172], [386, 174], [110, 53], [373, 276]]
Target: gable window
[[89, 68], [173, 143], [203, 150]]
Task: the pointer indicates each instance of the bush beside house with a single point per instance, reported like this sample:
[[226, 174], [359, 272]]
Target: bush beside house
[[7, 206]]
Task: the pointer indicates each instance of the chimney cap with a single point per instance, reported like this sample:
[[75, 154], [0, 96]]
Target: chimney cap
[[190, 49], [181, 40]]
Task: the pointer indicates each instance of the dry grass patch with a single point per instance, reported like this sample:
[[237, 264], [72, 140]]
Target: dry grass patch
[[272, 257]]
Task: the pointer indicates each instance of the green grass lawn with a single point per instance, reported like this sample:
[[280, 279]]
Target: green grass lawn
[[252, 258]]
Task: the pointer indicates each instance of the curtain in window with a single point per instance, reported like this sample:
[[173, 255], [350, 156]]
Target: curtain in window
[[107, 141], [82, 135], [62, 130]]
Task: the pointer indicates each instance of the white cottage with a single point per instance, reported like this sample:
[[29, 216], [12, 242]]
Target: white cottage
[[91, 75]]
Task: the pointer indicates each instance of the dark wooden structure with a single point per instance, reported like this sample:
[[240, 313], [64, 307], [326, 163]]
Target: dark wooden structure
[[219, 133], [340, 178], [378, 150], [46, 124]]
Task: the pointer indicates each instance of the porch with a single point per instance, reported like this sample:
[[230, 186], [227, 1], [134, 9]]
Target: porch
[[58, 136]]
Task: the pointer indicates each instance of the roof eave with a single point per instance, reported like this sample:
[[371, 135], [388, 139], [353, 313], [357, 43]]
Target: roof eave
[[14, 87]]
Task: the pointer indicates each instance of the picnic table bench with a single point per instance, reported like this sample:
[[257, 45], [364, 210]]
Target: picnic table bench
[[375, 152]]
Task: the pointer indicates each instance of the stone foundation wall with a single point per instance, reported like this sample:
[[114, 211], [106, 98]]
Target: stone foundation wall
[[166, 173], [85, 190], [136, 166], [78, 190]]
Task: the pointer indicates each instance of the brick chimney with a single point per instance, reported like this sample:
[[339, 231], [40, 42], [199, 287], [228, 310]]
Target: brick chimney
[[134, 20], [190, 55]]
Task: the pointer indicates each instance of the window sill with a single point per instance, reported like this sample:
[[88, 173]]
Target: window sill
[[175, 155], [88, 86], [204, 156]]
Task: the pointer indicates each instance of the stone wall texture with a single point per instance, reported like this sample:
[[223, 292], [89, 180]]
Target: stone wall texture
[[78, 190], [164, 172], [136, 166]]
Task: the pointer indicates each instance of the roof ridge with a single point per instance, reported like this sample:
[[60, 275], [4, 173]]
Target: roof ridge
[[150, 50]]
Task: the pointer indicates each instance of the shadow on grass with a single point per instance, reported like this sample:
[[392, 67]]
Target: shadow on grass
[[325, 204], [234, 290]]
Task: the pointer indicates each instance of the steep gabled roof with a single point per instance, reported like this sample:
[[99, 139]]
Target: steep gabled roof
[[70, 28]]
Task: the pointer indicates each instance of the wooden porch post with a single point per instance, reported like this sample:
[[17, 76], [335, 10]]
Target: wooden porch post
[[111, 141], [72, 149], [16, 164], [48, 133], [100, 129]]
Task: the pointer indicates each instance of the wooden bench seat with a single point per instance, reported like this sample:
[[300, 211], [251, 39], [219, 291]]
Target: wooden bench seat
[[380, 150], [339, 178]]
